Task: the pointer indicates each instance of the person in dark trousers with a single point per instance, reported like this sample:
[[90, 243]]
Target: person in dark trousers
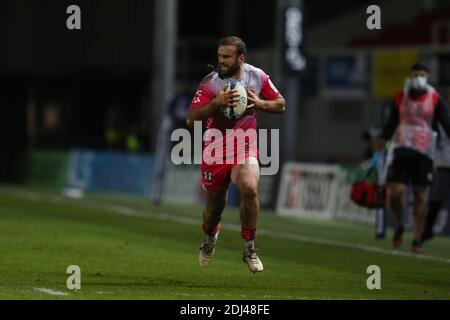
[[440, 190], [410, 125]]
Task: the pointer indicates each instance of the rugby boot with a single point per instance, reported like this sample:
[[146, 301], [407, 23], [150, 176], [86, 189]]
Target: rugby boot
[[207, 250], [397, 239], [416, 247], [251, 258]]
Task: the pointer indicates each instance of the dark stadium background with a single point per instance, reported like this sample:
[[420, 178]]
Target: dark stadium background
[[85, 123], [108, 63], [64, 90]]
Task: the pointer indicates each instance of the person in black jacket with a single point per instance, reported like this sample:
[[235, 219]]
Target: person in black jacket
[[440, 190]]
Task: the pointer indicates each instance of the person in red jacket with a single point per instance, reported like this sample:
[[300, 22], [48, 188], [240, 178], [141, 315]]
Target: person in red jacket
[[410, 127]]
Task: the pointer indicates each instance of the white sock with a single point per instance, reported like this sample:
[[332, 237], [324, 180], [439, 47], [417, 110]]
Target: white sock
[[212, 239], [250, 244]]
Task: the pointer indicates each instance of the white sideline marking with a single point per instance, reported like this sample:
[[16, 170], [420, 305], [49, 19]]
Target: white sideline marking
[[52, 292], [35, 196], [190, 295], [153, 295]]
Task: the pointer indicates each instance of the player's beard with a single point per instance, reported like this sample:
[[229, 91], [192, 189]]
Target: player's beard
[[231, 71]]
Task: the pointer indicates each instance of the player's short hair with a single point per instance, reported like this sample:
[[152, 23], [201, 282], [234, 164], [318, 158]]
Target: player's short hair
[[234, 41], [419, 66]]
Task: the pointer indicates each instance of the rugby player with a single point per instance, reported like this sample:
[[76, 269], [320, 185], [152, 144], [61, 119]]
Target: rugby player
[[210, 98]]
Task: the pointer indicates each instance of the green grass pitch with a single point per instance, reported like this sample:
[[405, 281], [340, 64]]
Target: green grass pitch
[[127, 248]]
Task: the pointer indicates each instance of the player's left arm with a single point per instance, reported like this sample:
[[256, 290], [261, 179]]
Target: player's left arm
[[277, 105], [270, 100]]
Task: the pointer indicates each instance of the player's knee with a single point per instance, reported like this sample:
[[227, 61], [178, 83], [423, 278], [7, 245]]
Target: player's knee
[[248, 188], [421, 194], [396, 196], [420, 201], [397, 193]]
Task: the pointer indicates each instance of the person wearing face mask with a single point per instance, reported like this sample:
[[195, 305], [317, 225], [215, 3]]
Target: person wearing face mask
[[414, 112]]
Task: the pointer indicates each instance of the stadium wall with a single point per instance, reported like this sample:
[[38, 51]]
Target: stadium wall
[[352, 23], [319, 191], [305, 190]]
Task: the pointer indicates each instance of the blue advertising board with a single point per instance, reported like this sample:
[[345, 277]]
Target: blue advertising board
[[99, 171], [345, 75]]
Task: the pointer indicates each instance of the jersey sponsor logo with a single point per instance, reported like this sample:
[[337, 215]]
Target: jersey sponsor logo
[[207, 176]]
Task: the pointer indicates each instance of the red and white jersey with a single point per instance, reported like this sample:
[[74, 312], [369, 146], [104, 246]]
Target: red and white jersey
[[415, 121], [253, 79]]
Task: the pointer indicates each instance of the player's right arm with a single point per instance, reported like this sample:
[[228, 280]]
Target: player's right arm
[[205, 104], [390, 125]]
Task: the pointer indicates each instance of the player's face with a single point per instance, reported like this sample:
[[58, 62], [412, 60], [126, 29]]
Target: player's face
[[419, 79], [229, 60]]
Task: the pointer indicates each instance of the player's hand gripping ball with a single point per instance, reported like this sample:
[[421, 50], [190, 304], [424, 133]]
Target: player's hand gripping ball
[[237, 111]]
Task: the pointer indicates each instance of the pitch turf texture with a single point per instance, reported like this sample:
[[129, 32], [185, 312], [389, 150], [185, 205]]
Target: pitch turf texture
[[129, 249]]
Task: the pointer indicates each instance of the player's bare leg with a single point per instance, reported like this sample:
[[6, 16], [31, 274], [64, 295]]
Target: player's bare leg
[[420, 195], [246, 177], [397, 191], [215, 202]]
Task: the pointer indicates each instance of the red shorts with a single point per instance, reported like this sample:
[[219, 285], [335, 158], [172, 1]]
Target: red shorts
[[218, 160], [217, 177]]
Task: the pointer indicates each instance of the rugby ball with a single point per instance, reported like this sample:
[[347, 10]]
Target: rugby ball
[[238, 111]]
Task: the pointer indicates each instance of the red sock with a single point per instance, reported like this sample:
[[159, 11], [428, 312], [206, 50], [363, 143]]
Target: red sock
[[210, 232], [248, 234]]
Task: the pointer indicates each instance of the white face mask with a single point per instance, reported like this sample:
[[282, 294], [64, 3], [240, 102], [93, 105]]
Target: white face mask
[[419, 82]]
